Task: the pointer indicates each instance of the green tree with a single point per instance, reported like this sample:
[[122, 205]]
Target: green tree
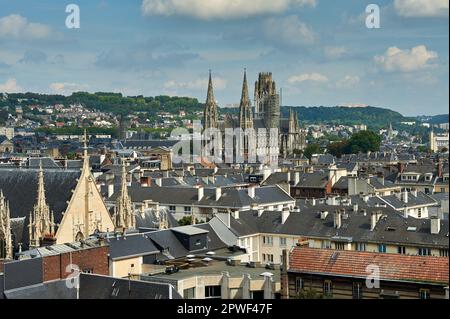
[[363, 142], [312, 149], [187, 220], [308, 293]]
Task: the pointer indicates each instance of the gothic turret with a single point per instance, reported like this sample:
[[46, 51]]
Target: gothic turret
[[41, 219], [6, 250], [124, 217]]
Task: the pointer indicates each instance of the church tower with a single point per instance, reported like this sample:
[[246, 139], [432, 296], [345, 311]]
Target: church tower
[[267, 101], [42, 223], [245, 107], [124, 217], [211, 112], [6, 249]]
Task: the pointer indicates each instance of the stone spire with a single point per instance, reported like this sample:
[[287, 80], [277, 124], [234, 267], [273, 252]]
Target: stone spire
[[41, 220], [210, 113], [245, 107], [125, 218], [5, 228]]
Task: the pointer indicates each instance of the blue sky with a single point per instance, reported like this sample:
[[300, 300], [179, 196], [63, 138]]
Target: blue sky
[[320, 51]]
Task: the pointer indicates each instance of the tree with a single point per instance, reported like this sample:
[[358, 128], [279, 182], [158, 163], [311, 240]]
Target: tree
[[312, 149], [363, 142], [338, 148], [187, 220], [308, 293]]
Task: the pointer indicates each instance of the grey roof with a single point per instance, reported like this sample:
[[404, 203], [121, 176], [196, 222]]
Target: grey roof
[[148, 144], [318, 179], [222, 231], [391, 228], [47, 163], [131, 246], [420, 200], [189, 230], [49, 290], [231, 198], [103, 287]]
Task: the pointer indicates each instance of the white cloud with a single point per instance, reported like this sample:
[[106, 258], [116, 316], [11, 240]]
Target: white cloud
[[348, 81], [312, 77], [66, 88], [421, 8], [10, 86], [335, 52], [18, 27], [289, 31], [219, 9], [199, 84], [395, 59]]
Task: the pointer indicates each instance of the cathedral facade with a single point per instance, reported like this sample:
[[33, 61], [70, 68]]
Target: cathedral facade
[[264, 114]]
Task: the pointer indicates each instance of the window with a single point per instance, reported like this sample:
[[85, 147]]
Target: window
[[299, 284], [212, 292], [268, 240], [88, 271], [282, 241], [339, 246], [424, 294], [401, 250], [381, 248], [189, 293], [326, 244], [443, 252], [187, 210], [424, 252], [419, 213], [357, 290], [361, 246], [172, 209], [327, 288]]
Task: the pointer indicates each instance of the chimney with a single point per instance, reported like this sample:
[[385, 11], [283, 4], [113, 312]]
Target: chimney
[[251, 191], [218, 193], [374, 217], [313, 202], [337, 219], [439, 172], [414, 192], [405, 197], [435, 224], [166, 174], [158, 181], [110, 189], [296, 178], [200, 192], [285, 215], [355, 207], [400, 167], [323, 214], [288, 177], [236, 214]]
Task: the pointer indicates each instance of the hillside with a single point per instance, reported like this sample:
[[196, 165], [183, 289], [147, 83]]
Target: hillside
[[372, 116]]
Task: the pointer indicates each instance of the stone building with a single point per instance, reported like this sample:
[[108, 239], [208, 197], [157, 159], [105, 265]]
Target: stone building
[[266, 114]]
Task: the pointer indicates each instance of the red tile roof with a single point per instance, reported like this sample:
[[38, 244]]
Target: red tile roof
[[393, 267]]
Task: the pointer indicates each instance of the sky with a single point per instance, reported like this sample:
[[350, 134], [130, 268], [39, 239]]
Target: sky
[[319, 51]]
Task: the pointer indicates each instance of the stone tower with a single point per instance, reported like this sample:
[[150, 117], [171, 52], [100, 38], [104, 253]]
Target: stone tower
[[211, 112], [6, 250], [124, 217], [245, 107], [267, 101], [42, 223]]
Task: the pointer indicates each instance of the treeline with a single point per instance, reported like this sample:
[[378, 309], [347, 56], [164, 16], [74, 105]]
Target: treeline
[[75, 130], [114, 103], [374, 117]]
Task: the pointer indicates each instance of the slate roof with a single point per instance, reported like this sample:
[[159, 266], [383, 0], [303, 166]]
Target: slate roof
[[393, 267], [391, 228], [318, 179], [131, 246], [420, 200], [233, 198], [20, 189]]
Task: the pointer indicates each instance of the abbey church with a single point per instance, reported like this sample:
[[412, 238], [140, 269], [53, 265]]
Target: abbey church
[[265, 113]]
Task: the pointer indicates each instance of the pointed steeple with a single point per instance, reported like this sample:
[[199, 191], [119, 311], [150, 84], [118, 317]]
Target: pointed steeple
[[245, 107], [210, 96], [210, 112], [41, 223]]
